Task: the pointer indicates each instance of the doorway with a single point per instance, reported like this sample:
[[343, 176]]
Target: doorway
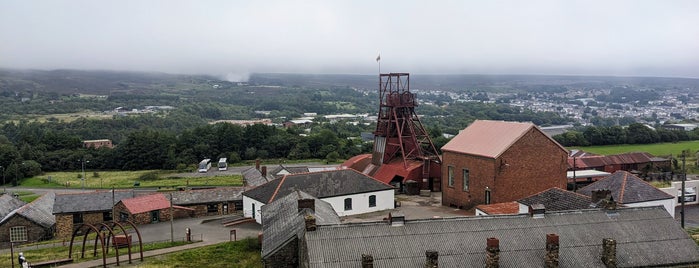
[[155, 216]]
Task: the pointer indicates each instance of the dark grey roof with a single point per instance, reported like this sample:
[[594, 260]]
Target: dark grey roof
[[8, 203], [626, 188], [556, 199], [319, 184], [646, 236], [254, 178], [88, 202], [281, 220], [38, 211], [203, 196]]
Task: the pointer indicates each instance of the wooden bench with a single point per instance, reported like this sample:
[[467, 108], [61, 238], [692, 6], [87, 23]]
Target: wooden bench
[[50, 263]]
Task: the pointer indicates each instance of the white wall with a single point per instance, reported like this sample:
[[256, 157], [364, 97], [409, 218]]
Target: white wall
[[668, 204], [360, 202], [247, 209], [675, 190]]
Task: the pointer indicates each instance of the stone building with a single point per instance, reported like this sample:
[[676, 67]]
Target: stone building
[[98, 143], [150, 208], [208, 202], [498, 162], [72, 210], [31, 222]]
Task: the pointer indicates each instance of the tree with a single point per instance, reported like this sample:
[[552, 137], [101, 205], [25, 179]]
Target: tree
[[640, 134]]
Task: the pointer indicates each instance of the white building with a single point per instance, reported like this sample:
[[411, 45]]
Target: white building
[[347, 191]]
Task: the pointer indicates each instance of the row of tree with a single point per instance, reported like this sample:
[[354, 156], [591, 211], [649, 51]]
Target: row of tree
[[635, 133]]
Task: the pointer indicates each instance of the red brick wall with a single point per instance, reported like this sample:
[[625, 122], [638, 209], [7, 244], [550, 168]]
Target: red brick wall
[[532, 164]]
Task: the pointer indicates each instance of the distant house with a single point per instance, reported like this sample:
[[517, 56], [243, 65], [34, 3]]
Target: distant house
[[286, 220], [253, 177], [150, 208], [631, 191], [31, 222], [207, 202], [98, 143], [348, 191], [681, 127], [624, 237], [498, 162], [72, 210]]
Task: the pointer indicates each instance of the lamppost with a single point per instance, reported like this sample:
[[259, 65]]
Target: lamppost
[[82, 161]]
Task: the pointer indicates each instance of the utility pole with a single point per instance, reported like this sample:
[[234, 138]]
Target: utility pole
[[575, 179], [684, 178], [172, 229], [82, 161]]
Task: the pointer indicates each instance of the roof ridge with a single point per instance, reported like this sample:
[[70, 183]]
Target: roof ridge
[[623, 187], [271, 198], [375, 179]]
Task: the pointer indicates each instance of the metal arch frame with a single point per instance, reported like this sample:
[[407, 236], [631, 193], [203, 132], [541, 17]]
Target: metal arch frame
[[99, 234], [102, 226], [128, 244], [140, 241]]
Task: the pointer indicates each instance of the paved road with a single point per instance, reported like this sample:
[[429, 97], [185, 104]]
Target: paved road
[[691, 215]]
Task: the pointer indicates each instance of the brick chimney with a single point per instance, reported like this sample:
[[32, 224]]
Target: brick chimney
[[492, 253], [396, 219], [310, 223], [431, 259], [307, 203], [264, 171], [257, 164], [367, 261], [537, 211], [609, 252], [551, 257], [599, 195]]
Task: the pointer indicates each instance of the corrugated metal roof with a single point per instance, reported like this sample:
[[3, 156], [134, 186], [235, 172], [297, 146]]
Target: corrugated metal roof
[[626, 188], [640, 233], [490, 138]]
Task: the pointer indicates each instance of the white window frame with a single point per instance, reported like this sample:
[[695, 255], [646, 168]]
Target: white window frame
[[18, 234]]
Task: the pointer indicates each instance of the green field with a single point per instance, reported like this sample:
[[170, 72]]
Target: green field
[[657, 149], [126, 179], [242, 253]]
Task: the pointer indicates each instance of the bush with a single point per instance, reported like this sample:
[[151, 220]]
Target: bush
[[95, 174], [150, 176]]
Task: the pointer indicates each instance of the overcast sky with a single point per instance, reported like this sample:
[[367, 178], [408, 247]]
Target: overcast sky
[[645, 38]]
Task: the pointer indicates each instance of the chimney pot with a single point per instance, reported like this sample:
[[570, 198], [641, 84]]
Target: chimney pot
[[367, 261], [609, 252], [601, 194], [396, 219], [552, 251], [492, 253], [310, 223], [431, 260], [264, 171], [537, 211], [257, 164]]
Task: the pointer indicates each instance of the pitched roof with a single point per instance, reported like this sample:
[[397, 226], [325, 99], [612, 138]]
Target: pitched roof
[[555, 199], [282, 221], [88, 202], [147, 203], [461, 242], [500, 208], [490, 138], [254, 178], [592, 161], [207, 195], [39, 211], [319, 184], [8, 203], [626, 188]]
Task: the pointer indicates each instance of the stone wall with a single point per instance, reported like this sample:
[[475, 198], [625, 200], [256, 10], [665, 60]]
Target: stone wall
[[35, 232], [287, 256], [64, 222]]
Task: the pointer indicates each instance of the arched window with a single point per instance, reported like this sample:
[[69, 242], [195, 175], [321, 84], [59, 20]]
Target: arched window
[[372, 201], [348, 203]]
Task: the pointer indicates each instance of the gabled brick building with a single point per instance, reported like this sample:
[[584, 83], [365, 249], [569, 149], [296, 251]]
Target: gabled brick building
[[31, 222], [150, 208], [72, 210], [498, 161]]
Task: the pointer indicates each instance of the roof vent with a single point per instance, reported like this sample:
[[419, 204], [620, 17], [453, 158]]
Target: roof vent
[[537, 211], [396, 219]]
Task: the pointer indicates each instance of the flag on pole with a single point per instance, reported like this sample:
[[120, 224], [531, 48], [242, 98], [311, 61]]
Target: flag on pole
[[378, 58]]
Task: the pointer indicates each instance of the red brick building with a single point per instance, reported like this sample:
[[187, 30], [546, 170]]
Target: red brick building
[[149, 209], [98, 143], [498, 161]]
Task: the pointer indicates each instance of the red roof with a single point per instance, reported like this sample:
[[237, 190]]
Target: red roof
[[500, 208], [147, 203], [490, 138]]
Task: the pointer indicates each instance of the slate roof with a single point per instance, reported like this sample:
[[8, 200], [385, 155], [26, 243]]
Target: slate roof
[[644, 236], [39, 211], [88, 202], [147, 203], [626, 188], [556, 199], [491, 138], [281, 220], [254, 178], [204, 196], [8, 203], [319, 184]]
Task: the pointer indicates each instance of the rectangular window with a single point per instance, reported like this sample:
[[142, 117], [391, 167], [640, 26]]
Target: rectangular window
[[212, 208], [123, 216], [77, 218], [348, 203], [107, 216], [18, 234], [465, 181], [372, 201], [450, 176]]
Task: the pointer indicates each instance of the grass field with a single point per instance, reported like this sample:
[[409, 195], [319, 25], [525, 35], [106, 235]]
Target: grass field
[[657, 149], [242, 253], [126, 179]]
